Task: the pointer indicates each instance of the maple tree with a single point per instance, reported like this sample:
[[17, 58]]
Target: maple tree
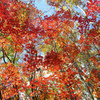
[[69, 43]]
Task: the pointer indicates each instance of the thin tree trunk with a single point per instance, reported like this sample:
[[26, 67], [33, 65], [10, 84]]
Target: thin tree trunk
[[98, 98], [0, 95]]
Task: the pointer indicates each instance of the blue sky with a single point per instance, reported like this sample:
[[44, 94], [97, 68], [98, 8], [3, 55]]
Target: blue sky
[[43, 6]]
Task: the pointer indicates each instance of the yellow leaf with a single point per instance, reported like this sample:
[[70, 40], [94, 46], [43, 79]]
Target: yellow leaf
[[57, 9], [64, 7]]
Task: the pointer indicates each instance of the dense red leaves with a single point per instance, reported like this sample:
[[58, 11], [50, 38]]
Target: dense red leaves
[[93, 6], [52, 59], [11, 81], [15, 22], [55, 24]]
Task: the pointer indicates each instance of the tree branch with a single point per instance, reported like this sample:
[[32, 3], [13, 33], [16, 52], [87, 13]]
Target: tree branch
[[3, 56], [14, 57], [6, 55]]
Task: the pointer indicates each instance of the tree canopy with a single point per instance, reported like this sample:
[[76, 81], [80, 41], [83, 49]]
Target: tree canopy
[[53, 57]]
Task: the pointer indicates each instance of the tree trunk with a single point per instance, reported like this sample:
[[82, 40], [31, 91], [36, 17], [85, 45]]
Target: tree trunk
[[0, 95], [98, 98]]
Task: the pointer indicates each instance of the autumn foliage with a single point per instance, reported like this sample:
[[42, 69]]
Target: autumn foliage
[[53, 57]]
